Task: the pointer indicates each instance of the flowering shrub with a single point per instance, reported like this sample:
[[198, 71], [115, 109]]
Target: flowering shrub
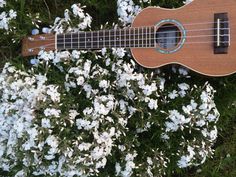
[[80, 112], [6, 16]]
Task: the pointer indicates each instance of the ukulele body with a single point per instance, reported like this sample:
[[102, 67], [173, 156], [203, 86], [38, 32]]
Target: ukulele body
[[197, 35]]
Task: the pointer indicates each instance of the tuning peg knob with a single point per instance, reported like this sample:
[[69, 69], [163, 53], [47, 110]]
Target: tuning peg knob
[[46, 30], [35, 32]]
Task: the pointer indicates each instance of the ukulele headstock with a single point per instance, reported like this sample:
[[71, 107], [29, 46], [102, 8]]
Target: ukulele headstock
[[31, 45]]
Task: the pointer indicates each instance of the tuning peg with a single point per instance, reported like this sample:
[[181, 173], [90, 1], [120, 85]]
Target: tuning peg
[[35, 32], [46, 30]]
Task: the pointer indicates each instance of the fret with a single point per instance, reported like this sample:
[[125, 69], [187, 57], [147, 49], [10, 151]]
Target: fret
[[112, 38], [85, 41], [134, 37], [104, 39], [60, 41], [88, 40], [128, 37], [68, 41], [131, 37], [118, 38], [64, 41], [91, 40], [154, 37], [137, 32], [78, 40], [98, 39], [147, 37], [107, 42], [139, 37], [109, 45], [116, 33], [71, 42], [122, 38], [82, 40], [74, 41], [95, 40], [150, 36], [125, 38], [101, 39], [144, 37]]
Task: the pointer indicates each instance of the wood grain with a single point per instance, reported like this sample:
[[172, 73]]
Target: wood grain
[[36, 43]]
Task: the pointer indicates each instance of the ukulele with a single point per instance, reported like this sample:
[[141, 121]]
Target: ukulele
[[200, 36]]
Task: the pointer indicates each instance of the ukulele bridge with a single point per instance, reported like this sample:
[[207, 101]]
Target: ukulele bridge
[[221, 33]]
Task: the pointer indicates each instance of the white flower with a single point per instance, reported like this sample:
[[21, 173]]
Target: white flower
[[88, 89], [187, 109], [118, 168], [178, 121], [200, 123], [213, 134], [52, 141], [52, 112], [80, 80], [83, 124], [73, 114], [170, 126], [149, 161], [45, 123], [184, 162], [104, 84], [76, 54], [183, 71], [152, 104], [204, 96], [46, 56], [127, 10], [77, 11], [212, 117], [97, 153], [183, 88], [84, 146], [149, 89], [119, 52], [12, 14], [86, 22], [53, 93], [2, 3], [172, 95], [20, 173]]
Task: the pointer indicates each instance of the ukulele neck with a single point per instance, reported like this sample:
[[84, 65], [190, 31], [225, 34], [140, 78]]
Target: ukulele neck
[[139, 37]]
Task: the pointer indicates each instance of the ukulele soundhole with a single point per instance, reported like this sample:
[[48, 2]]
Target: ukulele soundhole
[[170, 36]]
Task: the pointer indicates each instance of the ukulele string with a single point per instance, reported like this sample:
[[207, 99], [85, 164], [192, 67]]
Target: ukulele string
[[129, 35], [147, 45], [134, 40], [132, 29]]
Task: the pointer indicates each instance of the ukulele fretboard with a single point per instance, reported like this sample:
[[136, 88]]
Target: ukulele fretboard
[[140, 37]]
